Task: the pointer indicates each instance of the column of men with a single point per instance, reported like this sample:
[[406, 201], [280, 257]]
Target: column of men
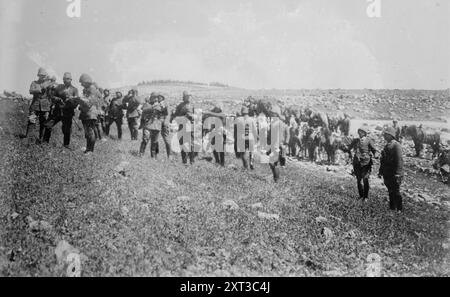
[[53, 103]]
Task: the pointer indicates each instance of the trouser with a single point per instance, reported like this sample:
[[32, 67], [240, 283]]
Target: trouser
[[274, 165], [133, 126], [165, 133], [41, 118], [362, 173], [293, 146], [153, 137], [418, 146], [102, 122], [66, 128], [97, 129], [89, 133], [219, 157], [118, 122], [184, 152], [393, 186]]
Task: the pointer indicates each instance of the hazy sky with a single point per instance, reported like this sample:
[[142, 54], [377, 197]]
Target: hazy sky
[[252, 44]]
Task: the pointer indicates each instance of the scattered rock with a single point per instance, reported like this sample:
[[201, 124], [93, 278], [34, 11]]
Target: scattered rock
[[45, 225], [268, 216], [14, 215], [232, 166], [230, 204], [321, 219], [327, 233], [257, 205], [184, 198]]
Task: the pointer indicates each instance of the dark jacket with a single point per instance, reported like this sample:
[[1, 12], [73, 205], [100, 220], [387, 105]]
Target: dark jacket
[[131, 104], [115, 110], [185, 110], [67, 103], [391, 162], [152, 115], [364, 150], [90, 104]]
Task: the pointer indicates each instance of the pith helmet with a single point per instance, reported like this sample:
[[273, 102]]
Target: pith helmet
[[364, 128], [42, 71], [84, 78], [390, 131]]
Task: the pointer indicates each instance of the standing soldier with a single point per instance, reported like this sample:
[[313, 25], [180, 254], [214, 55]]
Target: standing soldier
[[131, 104], [151, 123], [398, 130], [391, 168], [345, 125], [186, 110], [165, 130], [217, 133], [89, 110], [64, 109], [362, 162], [40, 105], [244, 129], [115, 115]]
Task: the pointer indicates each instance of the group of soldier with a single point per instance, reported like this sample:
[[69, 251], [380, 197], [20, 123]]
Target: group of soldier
[[53, 103]]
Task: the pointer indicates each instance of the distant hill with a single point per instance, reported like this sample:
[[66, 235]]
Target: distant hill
[[178, 82]]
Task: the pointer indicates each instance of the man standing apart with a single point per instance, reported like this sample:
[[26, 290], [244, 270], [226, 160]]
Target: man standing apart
[[40, 105], [64, 109], [391, 169], [131, 104], [165, 130], [151, 125]]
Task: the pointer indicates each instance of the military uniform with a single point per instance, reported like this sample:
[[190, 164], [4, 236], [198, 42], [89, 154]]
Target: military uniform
[[217, 134], [345, 126], [89, 111], [64, 110], [391, 169], [186, 110], [165, 124], [131, 104], [115, 115], [40, 105], [244, 131], [151, 123], [362, 162], [278, 137]]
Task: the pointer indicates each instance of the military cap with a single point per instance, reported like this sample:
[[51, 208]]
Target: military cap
[[186, 94], [67, 75], [42, 71], [390, 131], [364, 128], [84, 78]]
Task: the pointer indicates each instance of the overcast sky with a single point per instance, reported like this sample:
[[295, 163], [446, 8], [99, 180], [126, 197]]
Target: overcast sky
[[251, 44]]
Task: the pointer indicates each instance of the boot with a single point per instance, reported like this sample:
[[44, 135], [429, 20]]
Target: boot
[[142, 148]]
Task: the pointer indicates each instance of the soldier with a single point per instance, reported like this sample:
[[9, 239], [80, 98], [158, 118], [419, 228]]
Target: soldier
[[115, 115], [362, 161], [242, 129], [345, 125], [165, 130], [278, 137], [398, 130], [391, 168], [151, 123], [186, 109], [40, 105], [218, 133], [104, 104], [89, 110], [64, 109], [131, 104]]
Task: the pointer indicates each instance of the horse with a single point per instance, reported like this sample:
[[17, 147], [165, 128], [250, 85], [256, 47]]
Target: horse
[[442, 164], [420, 137]]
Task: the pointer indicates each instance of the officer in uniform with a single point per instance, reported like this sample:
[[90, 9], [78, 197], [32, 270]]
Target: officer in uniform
[[64, 104], [151, 123], [244, 129], [115, 115], [362, 161], [218, 133], [345, 125], [391, 168], [131, 104], [41, 103], [186, 109], [165, 130], [89, 110]]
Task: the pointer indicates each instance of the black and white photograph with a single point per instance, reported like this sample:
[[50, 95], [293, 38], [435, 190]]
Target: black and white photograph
[[217, 140]]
